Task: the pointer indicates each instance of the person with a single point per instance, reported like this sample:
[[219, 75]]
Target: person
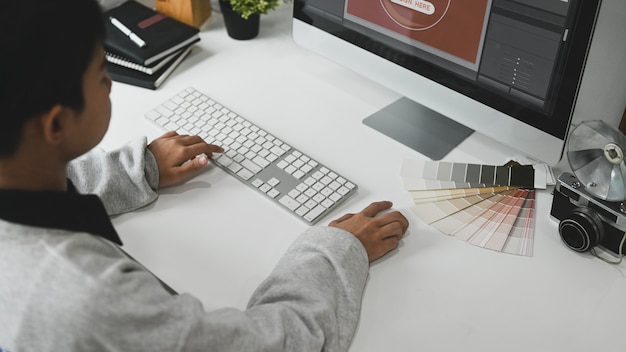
[[65, 282]]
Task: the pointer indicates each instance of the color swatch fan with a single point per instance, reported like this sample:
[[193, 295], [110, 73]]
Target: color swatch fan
[[485, 205]]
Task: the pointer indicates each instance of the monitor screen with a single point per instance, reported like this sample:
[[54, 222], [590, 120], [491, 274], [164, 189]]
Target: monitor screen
[[509, 69]]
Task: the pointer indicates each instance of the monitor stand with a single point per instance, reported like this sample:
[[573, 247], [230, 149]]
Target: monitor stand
[[418, 127]]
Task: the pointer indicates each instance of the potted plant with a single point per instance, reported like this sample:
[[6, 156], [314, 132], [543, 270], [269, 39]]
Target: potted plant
[[242, 17]]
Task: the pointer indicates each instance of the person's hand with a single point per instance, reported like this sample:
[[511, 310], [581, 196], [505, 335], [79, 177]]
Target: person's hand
[[180, 156], [379, 234]]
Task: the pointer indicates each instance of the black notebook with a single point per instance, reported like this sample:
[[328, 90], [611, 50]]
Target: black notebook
[[152, 81], [163, 35], [153, 68]]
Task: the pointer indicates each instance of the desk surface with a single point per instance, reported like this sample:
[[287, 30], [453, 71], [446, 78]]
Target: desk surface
[[215, 238]]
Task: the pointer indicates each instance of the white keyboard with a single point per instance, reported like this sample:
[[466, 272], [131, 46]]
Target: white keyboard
[[259, 159]]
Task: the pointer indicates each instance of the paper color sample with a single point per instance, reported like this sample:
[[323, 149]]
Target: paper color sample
[[521, 238], [496, 230], [431, 212], [421, 174], [499, 218], [434, 195], [423, 184], [496, 237], [488, 175], [474, 231], [455, 223]]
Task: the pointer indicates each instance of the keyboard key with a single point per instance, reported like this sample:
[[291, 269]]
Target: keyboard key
[[289, 202], [313, 214]]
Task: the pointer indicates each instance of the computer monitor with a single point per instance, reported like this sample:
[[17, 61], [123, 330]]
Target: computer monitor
[[508, 69]]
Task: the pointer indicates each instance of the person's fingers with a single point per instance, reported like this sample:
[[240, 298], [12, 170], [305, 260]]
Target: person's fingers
[[393, 217], [201, 161], [169, 134], [191, 151], [183, 139], [390, 243], [341, 219], [382, 247], [191, 167], [203, 148], [376, 207], [392, 229], [187, 140]]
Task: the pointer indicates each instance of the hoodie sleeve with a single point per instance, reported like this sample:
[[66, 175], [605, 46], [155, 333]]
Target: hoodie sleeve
[[311, 301], [125, 179]]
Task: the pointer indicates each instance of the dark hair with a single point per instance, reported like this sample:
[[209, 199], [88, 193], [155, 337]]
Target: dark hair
[[45, 49]]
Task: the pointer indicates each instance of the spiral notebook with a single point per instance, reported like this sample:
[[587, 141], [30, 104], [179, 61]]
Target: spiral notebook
[[134, 77], [120, 60]]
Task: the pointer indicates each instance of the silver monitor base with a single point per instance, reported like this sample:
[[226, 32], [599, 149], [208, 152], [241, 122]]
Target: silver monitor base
[[418, 127]]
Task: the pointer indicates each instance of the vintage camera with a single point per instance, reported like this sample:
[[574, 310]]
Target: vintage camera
[[584, 220]]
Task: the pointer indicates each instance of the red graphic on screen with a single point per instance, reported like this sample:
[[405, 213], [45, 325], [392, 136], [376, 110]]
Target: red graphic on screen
[[452, 26]]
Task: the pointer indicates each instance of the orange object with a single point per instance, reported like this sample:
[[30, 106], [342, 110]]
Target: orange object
[[191, 12]]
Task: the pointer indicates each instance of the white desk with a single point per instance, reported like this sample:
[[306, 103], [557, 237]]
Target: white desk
[[217, 239]]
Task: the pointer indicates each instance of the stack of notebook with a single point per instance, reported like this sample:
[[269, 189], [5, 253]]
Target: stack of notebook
[[143, 47]]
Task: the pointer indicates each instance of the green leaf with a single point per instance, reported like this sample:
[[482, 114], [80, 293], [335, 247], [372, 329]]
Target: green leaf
[[248, 7]]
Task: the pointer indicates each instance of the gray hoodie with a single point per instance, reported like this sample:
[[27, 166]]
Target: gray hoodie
[[65, 284]]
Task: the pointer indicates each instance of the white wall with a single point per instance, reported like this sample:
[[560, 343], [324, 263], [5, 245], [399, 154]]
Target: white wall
[[603, 90]]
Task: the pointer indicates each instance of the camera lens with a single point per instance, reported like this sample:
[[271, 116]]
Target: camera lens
[[581, 229]]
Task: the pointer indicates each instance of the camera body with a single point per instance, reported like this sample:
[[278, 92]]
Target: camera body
[[585, 221]]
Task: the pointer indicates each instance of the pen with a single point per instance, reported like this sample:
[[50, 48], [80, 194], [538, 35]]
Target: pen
[[128, 32]]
